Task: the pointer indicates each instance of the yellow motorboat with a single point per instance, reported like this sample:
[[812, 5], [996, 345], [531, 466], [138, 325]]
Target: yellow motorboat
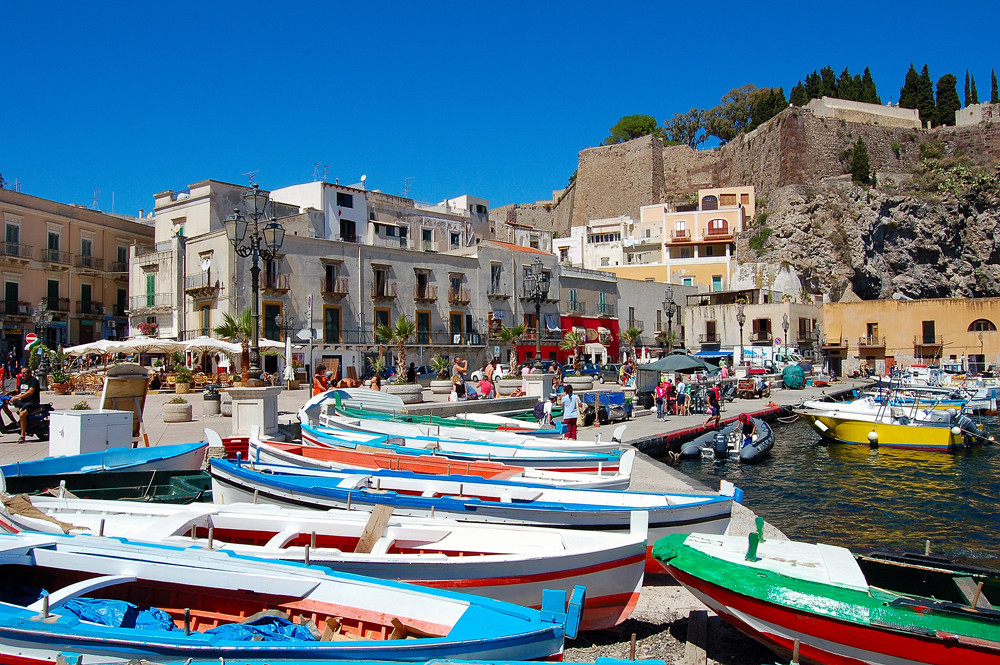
[[910, 435]]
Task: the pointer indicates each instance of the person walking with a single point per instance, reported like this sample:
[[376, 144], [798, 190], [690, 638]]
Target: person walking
[[714, 412], [681, 388], [660, 399], [571, 411], [320, 384]]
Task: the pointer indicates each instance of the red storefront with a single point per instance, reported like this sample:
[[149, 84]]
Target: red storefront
[[598, 331]]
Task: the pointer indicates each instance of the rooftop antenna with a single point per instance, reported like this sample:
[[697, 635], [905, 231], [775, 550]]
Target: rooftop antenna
[[326, 168], [406, 185], [316, 170], [251, 175], [96, 192]]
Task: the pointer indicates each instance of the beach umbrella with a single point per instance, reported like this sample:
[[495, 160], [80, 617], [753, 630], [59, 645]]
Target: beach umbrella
[[145, 345], [678, 363]]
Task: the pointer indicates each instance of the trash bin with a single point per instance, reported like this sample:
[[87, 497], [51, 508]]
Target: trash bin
[[213, 399]]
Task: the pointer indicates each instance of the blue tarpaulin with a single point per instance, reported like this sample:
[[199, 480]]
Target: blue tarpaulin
[[271, 628], [714, 354], [119, 614]]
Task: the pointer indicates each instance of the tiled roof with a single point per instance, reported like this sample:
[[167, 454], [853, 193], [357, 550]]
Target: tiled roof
[[519, 248]]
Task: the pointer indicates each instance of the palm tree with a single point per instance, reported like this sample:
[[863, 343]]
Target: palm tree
[[400, 334], [630, 337], [442, 366], [239, 330], [574, 340], [510, 337], [667, 338]]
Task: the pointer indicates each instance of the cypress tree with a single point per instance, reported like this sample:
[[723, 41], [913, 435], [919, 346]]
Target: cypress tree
[[947, 99], [994, 96], [925, 97], [967, 91], [799, 97], [845, 86], [828, 82], [860, 166], [868, 91], [974, 99], [908, 93]]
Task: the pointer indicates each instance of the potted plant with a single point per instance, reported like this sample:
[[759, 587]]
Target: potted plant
[[148, 328], [177, 410], [182, 379], [441, 385], [59, 381]]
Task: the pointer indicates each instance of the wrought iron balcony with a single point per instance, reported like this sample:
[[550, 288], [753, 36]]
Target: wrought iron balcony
[[85, 262], [761, 336], [605, 309], [680, 235], [873, 342], [460, 296], [576, 307], [15, 251], [150, 302], [384, 291], [336, 288], [90, 307], [56, 257], [275, 285], [425, 293], [709, 338]]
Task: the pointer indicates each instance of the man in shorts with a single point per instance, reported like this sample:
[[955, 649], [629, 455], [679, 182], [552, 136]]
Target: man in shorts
[[714, 412]]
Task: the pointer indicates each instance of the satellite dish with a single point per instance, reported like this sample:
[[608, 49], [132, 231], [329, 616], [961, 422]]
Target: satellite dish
[[206, 264], [364, 177]]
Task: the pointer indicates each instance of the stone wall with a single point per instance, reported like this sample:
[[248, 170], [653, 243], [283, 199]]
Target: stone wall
[[618, 179], [864, 113]]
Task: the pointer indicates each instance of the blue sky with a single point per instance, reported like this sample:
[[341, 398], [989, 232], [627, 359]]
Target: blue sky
[[488, 99]]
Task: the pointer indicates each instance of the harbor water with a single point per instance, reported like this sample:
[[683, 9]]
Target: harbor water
[[870, 500]]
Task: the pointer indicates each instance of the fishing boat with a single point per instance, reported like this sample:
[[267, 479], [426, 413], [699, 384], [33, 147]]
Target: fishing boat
[[841, 607], [893, 430], [396, 429], [277, 452], [504, 562], [729, 443], [469, 500], [486, 422], [176, 487], [552, 460], [106, 599], [176, 457]]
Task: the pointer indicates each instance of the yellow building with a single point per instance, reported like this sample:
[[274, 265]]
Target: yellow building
[[691, 244], [888, 333], [65, 271]]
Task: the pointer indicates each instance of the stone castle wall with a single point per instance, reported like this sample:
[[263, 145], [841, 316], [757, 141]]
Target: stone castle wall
[[618, 179]]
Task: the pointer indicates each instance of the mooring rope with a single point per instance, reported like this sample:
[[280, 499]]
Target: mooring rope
[[788, 420]]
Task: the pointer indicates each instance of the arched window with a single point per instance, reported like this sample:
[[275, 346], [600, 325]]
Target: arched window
[[982, 325], [718, 227], [710, 203]]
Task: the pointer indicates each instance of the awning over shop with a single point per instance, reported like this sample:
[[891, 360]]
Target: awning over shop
[[594, 347], [714, 354], [580, 329], [603, 331]]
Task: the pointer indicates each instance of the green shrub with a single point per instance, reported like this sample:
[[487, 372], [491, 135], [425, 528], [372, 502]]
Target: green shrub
[[177, 400], [82, 405]]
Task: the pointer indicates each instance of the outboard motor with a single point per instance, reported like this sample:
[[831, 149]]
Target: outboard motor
[[720, 445]]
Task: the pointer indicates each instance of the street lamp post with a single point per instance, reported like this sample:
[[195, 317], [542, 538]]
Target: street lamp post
[[784, 327], [42, 318], [741, 319], [261, 243], [538, 290], [669, 307], [286, 325]]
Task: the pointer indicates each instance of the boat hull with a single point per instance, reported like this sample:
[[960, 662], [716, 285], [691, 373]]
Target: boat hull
[[906, 437]]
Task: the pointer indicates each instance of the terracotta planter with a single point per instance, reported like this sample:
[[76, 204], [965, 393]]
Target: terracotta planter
[[410, 393], [176, 413], [441, 386], [508, 386], [59, 388], [182, 388]]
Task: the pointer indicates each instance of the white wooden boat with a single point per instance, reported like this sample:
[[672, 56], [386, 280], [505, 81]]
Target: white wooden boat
[[553, 460], [276, 452], [105, 599], [504, 562], [472, 501], [174, 457], [394, 429]]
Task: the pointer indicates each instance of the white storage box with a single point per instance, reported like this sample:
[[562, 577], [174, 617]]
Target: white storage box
[[76, 432]]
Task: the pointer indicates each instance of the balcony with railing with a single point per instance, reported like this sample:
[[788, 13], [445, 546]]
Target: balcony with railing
[[871, 342], [336, 288], [638, 324], [576, 308], [835, 344], [718, 231], [383, 291], [429, 246], [531, 334], [118, 310], [425, 293], [89, 307], [274, 285], [680, 235], [89, 263], [605, 309], [497, 291], [393, 242], [57, 304], [805, 337], [928, 344], [16, 308], [151, 302], [57, 259], [459, 296], [15, 252], [201, 285], [118, 267], [761, 337], [709, 338]]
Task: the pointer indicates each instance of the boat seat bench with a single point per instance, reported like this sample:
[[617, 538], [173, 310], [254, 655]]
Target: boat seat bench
[[968, 590]]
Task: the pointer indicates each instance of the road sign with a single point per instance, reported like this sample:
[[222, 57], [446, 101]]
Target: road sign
[[777, 341], [31, 338], [309, 301]]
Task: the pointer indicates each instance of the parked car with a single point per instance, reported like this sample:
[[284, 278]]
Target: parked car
[[500, 371], [425, 374], [549, 367], [609, 373], [590, 369]]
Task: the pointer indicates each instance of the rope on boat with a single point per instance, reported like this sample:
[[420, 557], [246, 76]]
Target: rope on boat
[[788, 420]]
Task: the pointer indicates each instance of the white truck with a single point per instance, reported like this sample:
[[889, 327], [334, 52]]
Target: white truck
[[771, 358]]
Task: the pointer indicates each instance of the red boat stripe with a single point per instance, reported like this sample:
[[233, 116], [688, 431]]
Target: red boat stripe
[[538, 577]]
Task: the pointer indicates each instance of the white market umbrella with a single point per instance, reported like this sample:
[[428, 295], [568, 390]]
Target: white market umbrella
[[145, 345], [100, 346], [264, 343], [205, 344]]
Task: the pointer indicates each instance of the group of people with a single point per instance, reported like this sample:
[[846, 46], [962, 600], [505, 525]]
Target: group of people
[[670, 398], [462, 389], [627, 375], [571, 411]]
